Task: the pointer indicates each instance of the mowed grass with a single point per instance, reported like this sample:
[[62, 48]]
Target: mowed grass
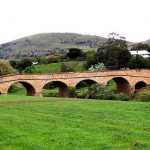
[[81, 125]]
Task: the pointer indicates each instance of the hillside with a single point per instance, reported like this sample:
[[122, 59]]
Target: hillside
[[48, 43], [147, 42]]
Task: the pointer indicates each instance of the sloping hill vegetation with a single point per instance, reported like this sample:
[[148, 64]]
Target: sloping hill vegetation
[[48, 43], [143, 94]]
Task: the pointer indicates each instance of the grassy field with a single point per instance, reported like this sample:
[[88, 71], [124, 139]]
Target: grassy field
[[55, 67], [81, 125]]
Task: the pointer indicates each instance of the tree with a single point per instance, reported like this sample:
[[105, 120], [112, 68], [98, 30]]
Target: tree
[[139, 62], [5, 68], [114, 53], [74, 53], [141, 46], [24, 63]]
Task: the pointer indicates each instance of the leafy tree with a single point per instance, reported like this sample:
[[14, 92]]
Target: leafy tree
[[14, 63], [24, 63], [139, 62], [114, 53], [5, 68], [74, 53]]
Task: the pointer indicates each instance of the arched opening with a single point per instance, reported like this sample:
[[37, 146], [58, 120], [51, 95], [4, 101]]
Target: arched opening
[[82, 88], [112, 85], [55, 89], [119, 85], [140, 85], [21, 88]]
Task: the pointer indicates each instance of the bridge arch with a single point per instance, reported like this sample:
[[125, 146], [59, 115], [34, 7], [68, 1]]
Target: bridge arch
[[122, 85], [62, 87], [83, 86], [28, 86], [140, 85]]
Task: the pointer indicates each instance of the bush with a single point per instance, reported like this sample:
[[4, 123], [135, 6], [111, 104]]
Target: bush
[[64, 58], [66, 68], [29, 70], [121, 96], [24, 63], [81, 95], [53, 59], [5, 68], [71, 92], [14, 63], [102, 92], [142, 97]]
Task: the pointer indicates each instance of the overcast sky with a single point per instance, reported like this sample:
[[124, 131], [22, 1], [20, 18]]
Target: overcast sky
[[129, 18]]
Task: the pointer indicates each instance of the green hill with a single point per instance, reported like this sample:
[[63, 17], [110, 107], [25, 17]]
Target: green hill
[[48, 43]]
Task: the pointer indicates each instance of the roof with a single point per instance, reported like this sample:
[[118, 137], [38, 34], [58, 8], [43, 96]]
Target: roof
[[139, 52]]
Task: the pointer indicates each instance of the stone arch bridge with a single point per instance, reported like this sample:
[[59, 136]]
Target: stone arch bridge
[[127, 81]]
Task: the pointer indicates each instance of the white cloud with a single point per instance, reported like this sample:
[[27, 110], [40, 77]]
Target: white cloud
[[129, 18]]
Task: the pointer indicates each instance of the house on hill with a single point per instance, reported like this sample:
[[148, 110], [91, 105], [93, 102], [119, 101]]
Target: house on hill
[[143, 53]]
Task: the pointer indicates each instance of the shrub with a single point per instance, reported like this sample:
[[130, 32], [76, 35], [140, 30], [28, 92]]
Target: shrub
[[121, 96], [5, 68], [71, 92], [24, 63], [102, 92], [29, 70], [66, 68], [53, 59], [143, 97]]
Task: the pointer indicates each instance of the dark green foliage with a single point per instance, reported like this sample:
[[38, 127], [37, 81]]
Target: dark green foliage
[[139, 62], [121, 96], [102, 92], [5, 68], [29, 69], [24, 63], [114, 53], [14, 63], [74, 53], [71, 92], [98, 91]]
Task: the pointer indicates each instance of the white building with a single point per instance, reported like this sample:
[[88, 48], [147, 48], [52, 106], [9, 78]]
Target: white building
[[143, 53]]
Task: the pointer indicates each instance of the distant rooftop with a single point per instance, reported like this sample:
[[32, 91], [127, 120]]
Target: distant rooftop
[[143, 53]]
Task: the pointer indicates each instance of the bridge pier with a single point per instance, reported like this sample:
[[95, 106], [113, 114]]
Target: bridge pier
[[38, 94]]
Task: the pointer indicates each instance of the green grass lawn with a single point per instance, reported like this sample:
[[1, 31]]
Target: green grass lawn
[[82, 125]]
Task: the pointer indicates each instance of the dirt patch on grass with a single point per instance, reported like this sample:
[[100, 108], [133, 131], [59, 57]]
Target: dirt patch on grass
[[38, 101]]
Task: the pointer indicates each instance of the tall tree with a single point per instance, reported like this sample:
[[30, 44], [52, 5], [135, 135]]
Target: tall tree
[[114, 53], [74, 53]]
